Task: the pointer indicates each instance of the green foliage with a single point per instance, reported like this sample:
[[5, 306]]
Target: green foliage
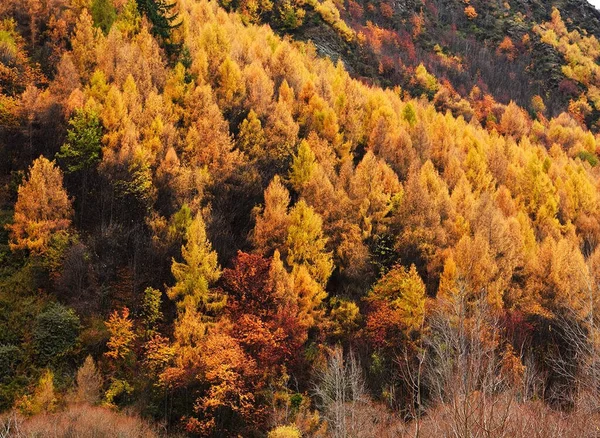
[[161, 15], [151, 308], [589, 157], [55, 334], [10, 357], [409, 114], [104, 14], [83, 148]]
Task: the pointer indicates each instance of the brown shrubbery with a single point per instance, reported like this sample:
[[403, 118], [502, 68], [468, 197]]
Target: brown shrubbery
[[77, 421]]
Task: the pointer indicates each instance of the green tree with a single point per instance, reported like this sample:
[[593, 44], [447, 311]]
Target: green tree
[[55, 333], [151, 308], [81, 153], [163, 18], [104, 14]]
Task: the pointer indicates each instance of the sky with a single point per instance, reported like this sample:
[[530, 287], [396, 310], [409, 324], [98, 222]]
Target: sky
[[595, 3]]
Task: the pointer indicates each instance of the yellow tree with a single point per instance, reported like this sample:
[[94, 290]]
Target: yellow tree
[[42, 209], [305, 243], [84, 43], [120, 328], [405, 291], [272, 220], [197, 272]]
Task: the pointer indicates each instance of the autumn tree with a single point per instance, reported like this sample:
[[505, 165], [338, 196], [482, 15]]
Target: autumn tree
[[89, 382], [272, 220], [197, 272], [120, 328], [42, 209], [305, 243]]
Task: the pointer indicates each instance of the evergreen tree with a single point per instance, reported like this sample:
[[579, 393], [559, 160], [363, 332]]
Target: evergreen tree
[[163, 19]]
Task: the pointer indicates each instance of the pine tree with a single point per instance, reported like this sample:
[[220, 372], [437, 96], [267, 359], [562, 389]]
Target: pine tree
[[163, 18]]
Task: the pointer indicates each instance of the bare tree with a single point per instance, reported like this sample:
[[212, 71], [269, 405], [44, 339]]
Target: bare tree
[[340, 392], [464, 370]]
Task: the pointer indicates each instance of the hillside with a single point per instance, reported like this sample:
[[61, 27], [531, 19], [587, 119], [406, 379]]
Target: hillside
[[299, 219]]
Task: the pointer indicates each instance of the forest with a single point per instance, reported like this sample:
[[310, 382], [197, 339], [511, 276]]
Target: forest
[[299, 218]]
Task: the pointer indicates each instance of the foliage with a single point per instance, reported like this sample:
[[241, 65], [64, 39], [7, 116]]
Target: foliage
[[197, 272], [55, 334], [42, 207], [408, 234]]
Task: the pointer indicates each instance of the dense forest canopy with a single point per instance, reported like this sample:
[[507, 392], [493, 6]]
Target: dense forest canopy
[[288, 218]]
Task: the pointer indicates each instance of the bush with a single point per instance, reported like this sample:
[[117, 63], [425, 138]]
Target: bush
[[78, 421], [285, 432]]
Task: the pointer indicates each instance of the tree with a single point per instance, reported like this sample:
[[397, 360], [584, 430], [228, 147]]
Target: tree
[[231, 88], [272, 220], [55, 333], [162, 16], [84, 42], [89, 382], [514, 121], [229, 404], [405, 290], [120, 328], [198, 271], [340, 390], [302, 167], [151, 308], [81, 153], [104, 14], [42, 209], [305, 243], [251, 138], [285, 432], [470, 12]]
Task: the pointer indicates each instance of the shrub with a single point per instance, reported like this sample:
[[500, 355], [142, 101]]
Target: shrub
[[78, 421], [285, 432]]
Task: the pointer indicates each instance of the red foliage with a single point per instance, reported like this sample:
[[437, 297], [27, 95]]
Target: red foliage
[[386, 10], [265, 327], [247, 286], [355, 9], [568, 88], [383, 326]]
